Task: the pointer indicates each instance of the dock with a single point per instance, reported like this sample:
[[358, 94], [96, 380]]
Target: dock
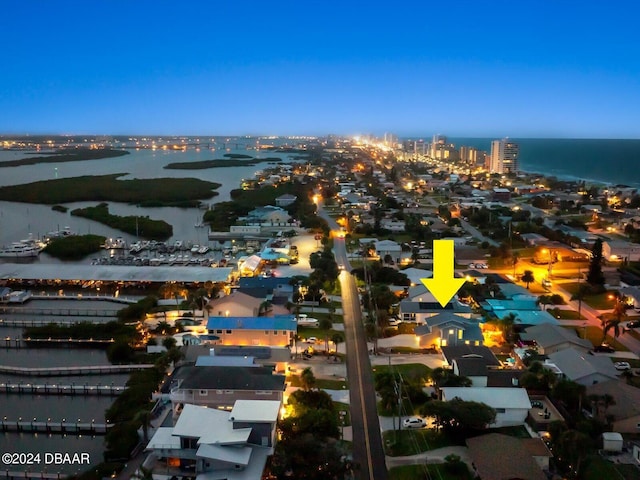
[[60, 312], [9, 475], [55, 342], [55, 389], [68, 371], [41, 323], [19, 342], [48, 426]]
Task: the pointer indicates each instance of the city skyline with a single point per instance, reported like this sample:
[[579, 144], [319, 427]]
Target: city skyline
[[503, 70]]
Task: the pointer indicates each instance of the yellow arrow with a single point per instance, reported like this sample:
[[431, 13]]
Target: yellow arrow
[[443, 285]]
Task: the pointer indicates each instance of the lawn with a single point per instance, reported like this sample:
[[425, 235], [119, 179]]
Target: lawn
[[411, 442], [598, 468], [433, 470], [565, 314], [594, 335], [599, 301], [321, 383], [409, 371]]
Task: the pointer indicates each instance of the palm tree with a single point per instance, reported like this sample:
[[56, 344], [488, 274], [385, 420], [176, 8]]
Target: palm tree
[[506, 325], [144, 417], [579, 296], [337, 339], [307, 379], [527, 277], [544, 300]]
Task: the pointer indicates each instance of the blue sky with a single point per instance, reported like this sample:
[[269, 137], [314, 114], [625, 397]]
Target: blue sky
[[463, 68]]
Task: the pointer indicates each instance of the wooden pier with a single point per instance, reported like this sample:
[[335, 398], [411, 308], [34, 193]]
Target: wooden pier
[[55, 389], [69, 371], [37, 426], [42, 323], [66, 312], [27, 342], [8, 475]]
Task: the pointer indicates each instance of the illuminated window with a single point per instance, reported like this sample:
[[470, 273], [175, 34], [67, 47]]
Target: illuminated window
[[452, 331], [459, 334]]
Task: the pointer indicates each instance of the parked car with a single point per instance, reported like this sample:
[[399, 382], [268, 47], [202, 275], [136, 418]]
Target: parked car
[[603, 348], [312, 340], [632, 324], [394, 322], [414, 422], [622, 366]]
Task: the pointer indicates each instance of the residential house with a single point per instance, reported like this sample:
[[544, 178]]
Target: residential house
[[238, 304], [626, 409], [448, 328], [633, 296], [511, 404], [269, 215], [285, 200], [453, 352], [620, 250], [217, 445], [393, 225], [277, 286], [533, 239], [276, 358], [277, 331], [548, 338], [583, 368], [498, 457], [524, 307], [220, 386], [388, 247]]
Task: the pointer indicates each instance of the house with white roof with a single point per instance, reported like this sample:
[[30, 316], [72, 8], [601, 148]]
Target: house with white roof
[[217, 444], [388, 247], [511, 404]]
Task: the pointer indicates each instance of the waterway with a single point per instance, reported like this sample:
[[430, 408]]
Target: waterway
[[57, 408], [18, 220]]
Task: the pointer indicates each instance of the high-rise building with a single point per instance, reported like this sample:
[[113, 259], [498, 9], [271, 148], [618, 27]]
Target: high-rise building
[[504, 156]]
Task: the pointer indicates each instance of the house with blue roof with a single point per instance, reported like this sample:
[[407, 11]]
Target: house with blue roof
[[524, 307], [276, 331]]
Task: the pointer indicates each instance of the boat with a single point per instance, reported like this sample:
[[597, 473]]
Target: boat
[[200, 225], [203, 249], [20, 250], [195, 248]]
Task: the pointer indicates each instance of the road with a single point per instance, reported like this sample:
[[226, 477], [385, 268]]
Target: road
[[368, 452]]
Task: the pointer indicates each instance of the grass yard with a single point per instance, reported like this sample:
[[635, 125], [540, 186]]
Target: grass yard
[[594, 335], [598, 468], [431, 471], [565, 314], [321, 383], [599, 301], [411, 442], [409, 371]]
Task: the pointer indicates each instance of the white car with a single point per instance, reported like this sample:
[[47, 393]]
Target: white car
[[414, 422], [394, 322], [312, 340], [622, 366]]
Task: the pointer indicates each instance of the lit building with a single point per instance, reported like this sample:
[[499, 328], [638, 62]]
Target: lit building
[[504, 156]]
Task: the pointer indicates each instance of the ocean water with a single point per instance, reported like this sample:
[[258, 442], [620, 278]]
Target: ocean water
[[607, 161]]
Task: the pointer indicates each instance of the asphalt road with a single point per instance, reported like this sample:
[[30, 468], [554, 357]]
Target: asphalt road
[[368, 452]]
